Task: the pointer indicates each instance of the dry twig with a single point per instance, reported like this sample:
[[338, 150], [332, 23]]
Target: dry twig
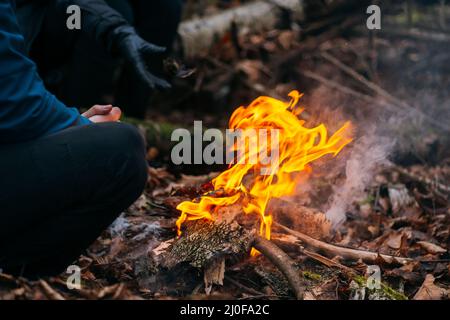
[[50, 292], [380, 91], [282, 261], [346, 253], [427, 181]]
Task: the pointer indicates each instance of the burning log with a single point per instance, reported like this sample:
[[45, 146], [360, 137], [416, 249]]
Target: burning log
[[207, 245], [306, 220], [204, 242]]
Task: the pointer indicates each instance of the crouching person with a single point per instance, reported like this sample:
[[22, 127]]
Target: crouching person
[[64, 177]]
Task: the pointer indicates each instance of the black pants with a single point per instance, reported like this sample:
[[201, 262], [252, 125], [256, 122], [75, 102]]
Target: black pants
[[80, 71], [58, 193]]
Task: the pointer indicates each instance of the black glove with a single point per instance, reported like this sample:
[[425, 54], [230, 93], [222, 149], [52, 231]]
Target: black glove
[[138, 53]]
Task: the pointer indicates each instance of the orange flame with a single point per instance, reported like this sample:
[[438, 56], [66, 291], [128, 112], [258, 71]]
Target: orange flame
[[298, 146]]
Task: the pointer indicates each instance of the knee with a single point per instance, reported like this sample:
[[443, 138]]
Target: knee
[[128, 137], [128, 163]]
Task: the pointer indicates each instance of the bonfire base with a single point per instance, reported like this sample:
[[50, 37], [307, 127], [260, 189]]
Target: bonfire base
[[203, 242]]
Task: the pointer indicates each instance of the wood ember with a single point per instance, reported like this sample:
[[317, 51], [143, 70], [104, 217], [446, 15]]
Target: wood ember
[[214, 274], [306, 220], [205, 241], [206, 245]]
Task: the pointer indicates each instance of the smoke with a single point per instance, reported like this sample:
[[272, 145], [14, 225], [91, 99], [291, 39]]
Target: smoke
[[372, 146], [369, 151], [382, 134]]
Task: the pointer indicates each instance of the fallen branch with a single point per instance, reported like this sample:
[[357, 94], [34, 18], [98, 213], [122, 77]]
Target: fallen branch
[[346, 253], [346, 90], [328, 262], [243, 287], [282, 261], [50, 292], [419, 34], [357, 76], [335, 85], [380, 91], [440, 186]]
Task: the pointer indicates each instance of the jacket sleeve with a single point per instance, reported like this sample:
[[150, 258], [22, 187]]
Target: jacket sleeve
[[98, 19], [27, 109]]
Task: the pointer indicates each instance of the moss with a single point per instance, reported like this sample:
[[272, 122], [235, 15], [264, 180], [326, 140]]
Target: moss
[[311, 276], [370, 199], [385, 290], [392, 293]]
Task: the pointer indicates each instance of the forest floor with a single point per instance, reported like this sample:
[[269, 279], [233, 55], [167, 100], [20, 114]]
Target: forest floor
[[401, 210]]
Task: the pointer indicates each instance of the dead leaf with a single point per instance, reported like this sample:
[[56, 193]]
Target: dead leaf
[[251, 68], [162, 247], [152, 153], [285, 39], [431, 247], [399, 197], [308, 296], [430, 291], [395, 241]]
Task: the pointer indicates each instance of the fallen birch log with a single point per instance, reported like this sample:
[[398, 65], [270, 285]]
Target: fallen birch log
[[198, 35]]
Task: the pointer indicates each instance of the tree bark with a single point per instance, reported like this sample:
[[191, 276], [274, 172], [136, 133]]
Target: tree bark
[[198, 35]]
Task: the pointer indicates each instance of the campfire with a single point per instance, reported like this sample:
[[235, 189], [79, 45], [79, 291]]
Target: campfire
[[235, 215], [250, 181]]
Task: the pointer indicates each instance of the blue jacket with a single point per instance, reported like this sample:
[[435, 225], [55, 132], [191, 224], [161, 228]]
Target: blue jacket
[[27, 109]]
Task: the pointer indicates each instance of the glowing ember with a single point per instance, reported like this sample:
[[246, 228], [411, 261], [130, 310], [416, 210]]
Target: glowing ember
[[297, 147]]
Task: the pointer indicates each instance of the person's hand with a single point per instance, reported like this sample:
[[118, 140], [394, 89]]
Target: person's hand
[[138, 53], [100, 113]]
